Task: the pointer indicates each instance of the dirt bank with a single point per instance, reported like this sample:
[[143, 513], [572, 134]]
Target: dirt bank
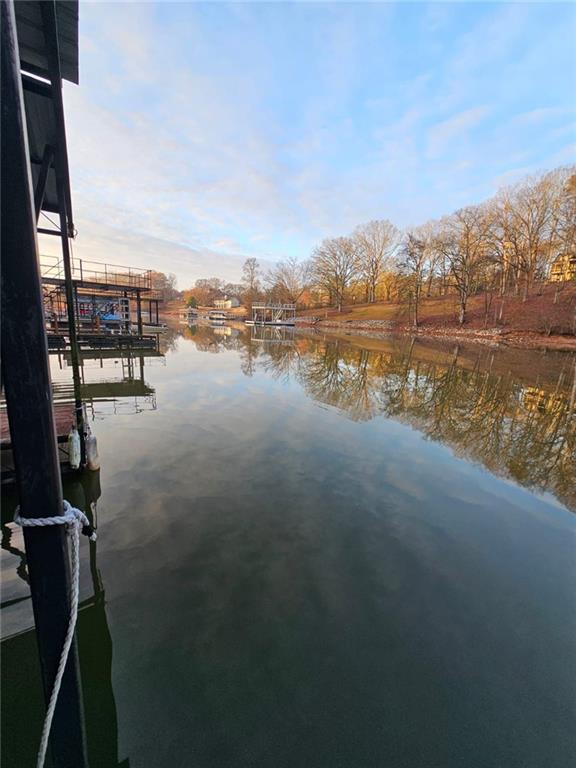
[[490, 336]]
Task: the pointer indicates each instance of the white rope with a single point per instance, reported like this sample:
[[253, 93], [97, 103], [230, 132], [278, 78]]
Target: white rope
[[77, 522]]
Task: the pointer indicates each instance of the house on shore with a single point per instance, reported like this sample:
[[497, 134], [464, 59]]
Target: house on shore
[[563, 268], [226, 302]]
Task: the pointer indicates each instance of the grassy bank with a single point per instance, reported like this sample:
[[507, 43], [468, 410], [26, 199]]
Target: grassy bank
[[544, 320]]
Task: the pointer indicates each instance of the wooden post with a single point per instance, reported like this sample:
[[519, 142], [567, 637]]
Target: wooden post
[[28, 396]]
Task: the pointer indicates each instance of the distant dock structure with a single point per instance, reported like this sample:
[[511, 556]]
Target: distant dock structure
[[102, 295], [265, 313]]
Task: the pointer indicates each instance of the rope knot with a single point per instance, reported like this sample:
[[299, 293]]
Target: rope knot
[[76, 522], [88, 530], [72, 517]]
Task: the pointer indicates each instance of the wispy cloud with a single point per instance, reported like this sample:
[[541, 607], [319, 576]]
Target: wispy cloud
[[456, 128], [205, 133]]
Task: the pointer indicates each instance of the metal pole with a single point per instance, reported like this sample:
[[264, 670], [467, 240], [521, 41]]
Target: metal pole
[[139, 312], [126, 312], [48, 10], [42, 179], [28, 395], [50, 29]]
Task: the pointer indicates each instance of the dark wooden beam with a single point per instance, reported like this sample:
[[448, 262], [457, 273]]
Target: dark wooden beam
[[28, 391]]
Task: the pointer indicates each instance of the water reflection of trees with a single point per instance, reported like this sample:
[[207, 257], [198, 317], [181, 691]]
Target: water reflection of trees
[[525, 432], [519, 426]]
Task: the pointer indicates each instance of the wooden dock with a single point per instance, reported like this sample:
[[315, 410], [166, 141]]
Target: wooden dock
[[266, 313], [64, 419]]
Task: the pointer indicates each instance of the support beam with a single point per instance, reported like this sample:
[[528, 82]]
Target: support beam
[[28, 396], [44, 231], [139, 312], [40, 190], [33, 85], [71, 311], [50, 28]]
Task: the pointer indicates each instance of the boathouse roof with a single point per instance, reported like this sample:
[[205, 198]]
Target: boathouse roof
[[33, 44], [48, 47]]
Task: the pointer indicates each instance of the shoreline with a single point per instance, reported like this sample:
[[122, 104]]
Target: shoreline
[[493, 337]]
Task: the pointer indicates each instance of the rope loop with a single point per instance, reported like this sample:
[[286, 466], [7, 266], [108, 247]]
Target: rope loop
[[71, 517], [76, 522]]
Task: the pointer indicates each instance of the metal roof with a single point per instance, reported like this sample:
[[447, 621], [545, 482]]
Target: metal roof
[[44, 28], [42, 131], [33, 46]]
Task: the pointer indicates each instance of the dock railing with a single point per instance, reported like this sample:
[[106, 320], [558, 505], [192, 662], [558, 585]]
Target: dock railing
[[87, 271]]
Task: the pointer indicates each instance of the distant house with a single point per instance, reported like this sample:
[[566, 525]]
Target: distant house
[[563, 268], [226, 302]]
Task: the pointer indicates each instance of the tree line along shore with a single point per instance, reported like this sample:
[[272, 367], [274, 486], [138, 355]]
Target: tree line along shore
[[504, 266]]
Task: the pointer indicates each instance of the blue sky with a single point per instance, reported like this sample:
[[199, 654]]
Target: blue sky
[[203, 133]]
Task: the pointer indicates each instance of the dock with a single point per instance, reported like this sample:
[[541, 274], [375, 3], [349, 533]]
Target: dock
[[102, 294], [266, 313]]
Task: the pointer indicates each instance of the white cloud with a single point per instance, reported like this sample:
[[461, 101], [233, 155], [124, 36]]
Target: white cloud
[[192, 150], [540, 115], [442, 135], [102, 242]]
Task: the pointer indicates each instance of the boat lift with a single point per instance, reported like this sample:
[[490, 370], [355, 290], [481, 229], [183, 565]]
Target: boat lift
[[264, 313]]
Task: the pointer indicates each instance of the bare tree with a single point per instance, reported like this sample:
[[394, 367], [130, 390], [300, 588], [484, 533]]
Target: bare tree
[[251, 275], [166, 283], [534, 214], [376, 242], [413, 266], [463, 241], [334, 263], [566, 212], [289, 279]]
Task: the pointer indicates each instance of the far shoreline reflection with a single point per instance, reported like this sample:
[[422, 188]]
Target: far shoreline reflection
[[509, 410]]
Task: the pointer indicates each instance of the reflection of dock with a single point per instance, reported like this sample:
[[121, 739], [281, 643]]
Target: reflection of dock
[[110, 381], [111, 354], [272, 333]]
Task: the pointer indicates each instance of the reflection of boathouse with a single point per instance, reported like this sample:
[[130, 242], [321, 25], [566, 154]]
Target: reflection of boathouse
[[109, 381], [273, 333]]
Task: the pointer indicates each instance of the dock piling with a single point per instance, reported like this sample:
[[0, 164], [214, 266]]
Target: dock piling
[[28, 395]]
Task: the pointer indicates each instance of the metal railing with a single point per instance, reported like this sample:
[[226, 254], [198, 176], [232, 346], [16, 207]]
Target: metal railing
[[52, 267]]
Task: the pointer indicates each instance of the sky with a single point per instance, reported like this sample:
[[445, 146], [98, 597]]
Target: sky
[[202, 134]]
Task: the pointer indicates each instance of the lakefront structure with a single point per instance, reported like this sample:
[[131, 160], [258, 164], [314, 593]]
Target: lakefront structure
[[87, 308]]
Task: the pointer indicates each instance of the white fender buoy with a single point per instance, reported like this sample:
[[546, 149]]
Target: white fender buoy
[[74, 453], [92, 458]]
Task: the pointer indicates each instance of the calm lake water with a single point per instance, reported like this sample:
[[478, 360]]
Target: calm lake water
[[318, 554]]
